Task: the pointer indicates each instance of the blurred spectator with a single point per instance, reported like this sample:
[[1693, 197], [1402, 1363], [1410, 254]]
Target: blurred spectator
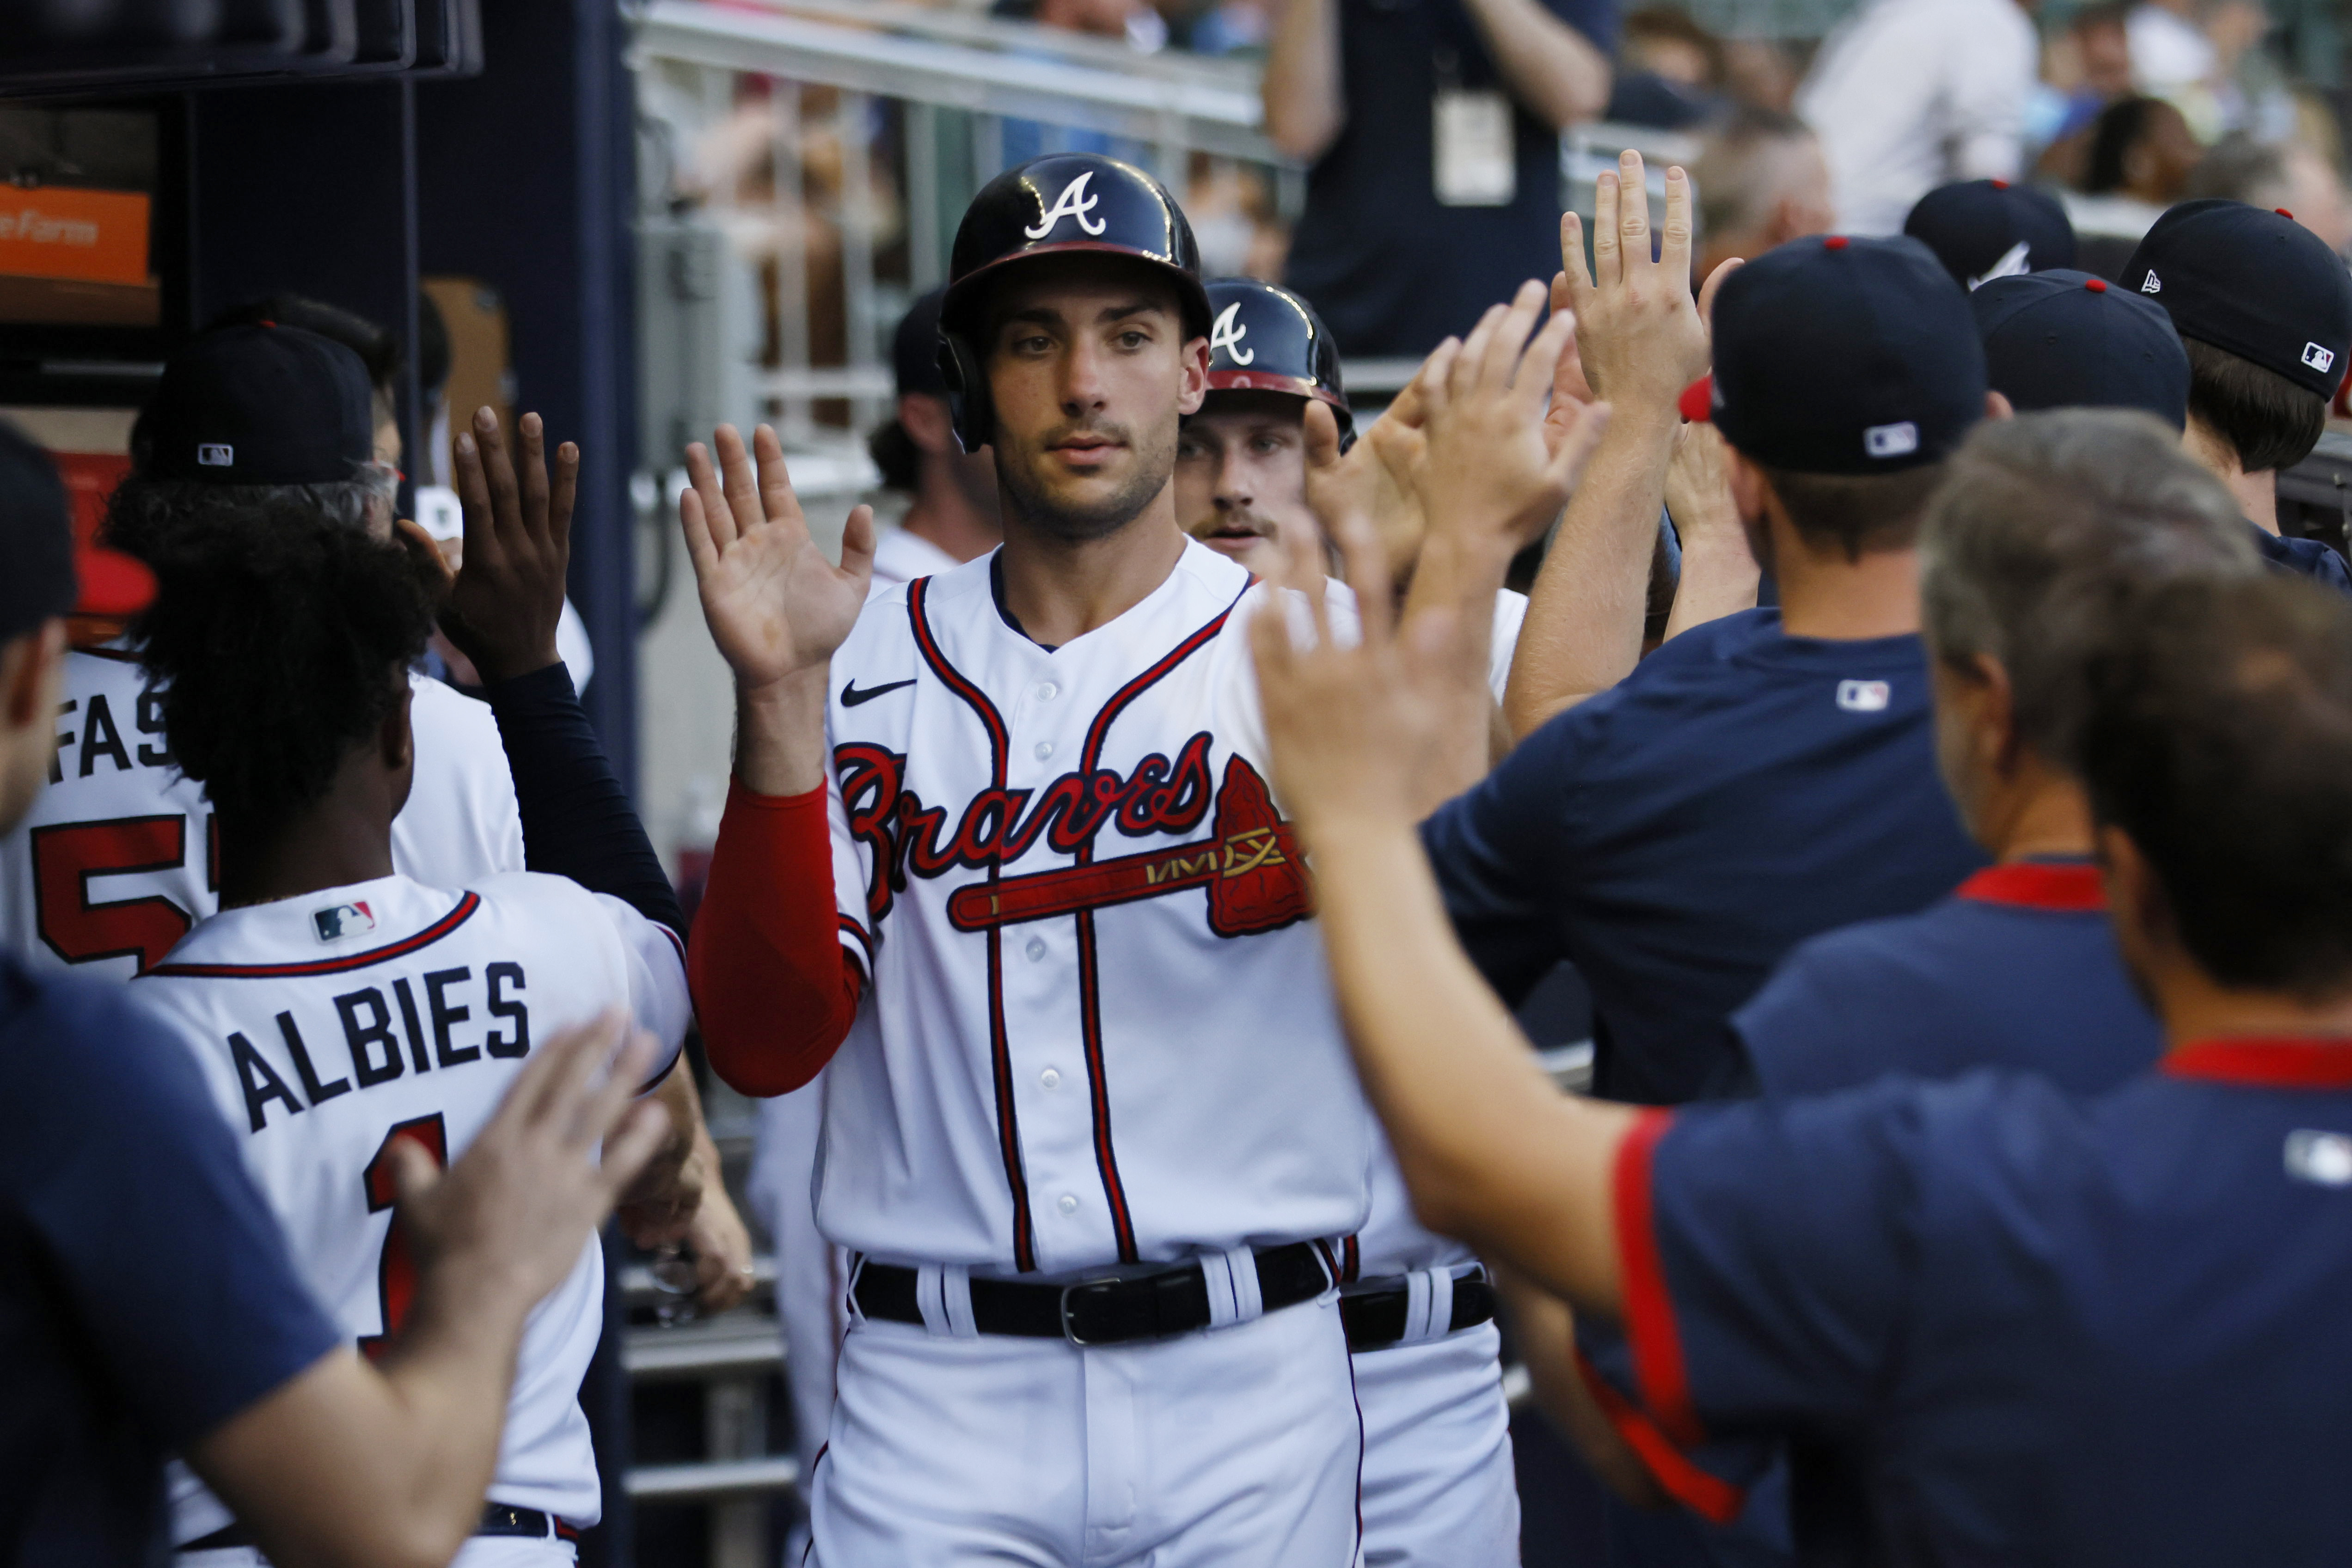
[[1218, 26], [2141, 149], [1231, 207], [1761, 182], [2085, 69], [2291, 179], [1762, 73], [2204, 57], [1137, 23], [1432, 129], [2170, 52], [1670, 71], [952, 510], [1908, 94]]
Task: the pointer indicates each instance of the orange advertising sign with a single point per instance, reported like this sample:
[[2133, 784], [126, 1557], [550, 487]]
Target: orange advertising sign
[[56, 231]]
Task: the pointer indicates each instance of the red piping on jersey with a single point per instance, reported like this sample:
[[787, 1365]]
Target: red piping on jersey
[[2271, 1061], [774, 988], [1090, 983], [864, 943], [2064, 887], [1706, 1494], [401, 949], [1649, 1309], [1008, 1126]]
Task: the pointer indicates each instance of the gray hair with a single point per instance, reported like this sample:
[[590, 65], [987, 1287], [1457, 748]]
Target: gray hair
[[144, 514], [2047, 526]]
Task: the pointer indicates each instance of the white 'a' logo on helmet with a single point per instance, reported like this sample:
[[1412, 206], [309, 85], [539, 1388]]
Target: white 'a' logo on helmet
[[1225, 336], [1073, 201]]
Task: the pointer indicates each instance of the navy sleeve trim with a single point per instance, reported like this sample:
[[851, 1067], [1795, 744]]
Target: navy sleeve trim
[[577, 820]]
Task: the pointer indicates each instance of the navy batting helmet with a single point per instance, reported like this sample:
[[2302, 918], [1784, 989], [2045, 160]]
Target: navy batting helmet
[[1264, 338], [1065, 202]]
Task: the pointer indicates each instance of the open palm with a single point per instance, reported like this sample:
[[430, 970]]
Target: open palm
[[775, 605]]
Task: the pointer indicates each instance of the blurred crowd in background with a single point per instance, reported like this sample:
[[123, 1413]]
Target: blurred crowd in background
[[1796, 116]]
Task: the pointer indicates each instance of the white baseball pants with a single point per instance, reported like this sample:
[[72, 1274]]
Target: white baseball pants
[[1233, 1448], [1439, 1487]]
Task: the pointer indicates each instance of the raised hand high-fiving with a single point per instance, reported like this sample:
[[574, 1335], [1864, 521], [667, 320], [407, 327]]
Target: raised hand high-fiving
[[775, 605]]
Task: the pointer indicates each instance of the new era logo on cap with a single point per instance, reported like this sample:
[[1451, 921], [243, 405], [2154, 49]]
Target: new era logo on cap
[[2151, 284], [1864, 696], [1896, 440], [342, 920], [216, 455], [2319, 359]]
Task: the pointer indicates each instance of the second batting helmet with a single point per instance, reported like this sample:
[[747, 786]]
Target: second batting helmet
[[1064, 202], [1264, 338]]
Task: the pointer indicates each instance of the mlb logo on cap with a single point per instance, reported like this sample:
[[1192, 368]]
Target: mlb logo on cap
[[2319, 359], [1897, 440], [1864, 696], [2323, 1159], [342, 920], [214, 454]]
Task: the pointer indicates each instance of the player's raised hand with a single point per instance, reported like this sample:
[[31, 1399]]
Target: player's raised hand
[[1349, 725], [518, 1204], [1641, 337], [507, 598], [1498, 468], [776, 606]]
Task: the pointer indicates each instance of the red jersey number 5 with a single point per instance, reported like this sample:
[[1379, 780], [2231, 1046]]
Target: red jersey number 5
[[67, 857]]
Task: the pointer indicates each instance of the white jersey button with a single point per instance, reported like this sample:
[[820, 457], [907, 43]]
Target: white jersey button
[[1050, 1078], [1044, 750], [1069, 1205], [1035, 950], [1048, 691]]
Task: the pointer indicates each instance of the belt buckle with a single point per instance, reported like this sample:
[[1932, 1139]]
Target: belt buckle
[[1100, 1289]]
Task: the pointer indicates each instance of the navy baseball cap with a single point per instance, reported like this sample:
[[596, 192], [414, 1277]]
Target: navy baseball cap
[[915, 348], [2256, 284], [1983, 229], [2063, 339], [48, 575], [1838, 355], [259, 404]]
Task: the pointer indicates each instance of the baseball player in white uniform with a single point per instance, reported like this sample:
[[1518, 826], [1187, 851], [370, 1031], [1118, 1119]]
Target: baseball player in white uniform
[[1439, 1486], [1090, 1135], [117, 861], [336, 1004]]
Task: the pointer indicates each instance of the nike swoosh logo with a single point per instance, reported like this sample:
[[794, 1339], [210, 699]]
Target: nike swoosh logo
[[851, 697]]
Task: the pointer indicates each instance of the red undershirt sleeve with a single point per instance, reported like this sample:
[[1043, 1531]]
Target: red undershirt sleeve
[[773, 987]]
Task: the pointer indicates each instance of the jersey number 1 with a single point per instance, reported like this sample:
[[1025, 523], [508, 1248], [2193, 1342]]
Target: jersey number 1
[[395, 1271]]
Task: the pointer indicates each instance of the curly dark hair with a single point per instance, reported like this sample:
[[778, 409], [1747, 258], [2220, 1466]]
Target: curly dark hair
[[280, 640]]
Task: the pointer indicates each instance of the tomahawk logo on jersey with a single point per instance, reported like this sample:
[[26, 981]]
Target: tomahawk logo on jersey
[[116, 860], [411, 1021], [1042, 858]]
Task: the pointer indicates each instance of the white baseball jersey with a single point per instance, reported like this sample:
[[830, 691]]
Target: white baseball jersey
[[115, 862], [327, 1024], [1099, 1028], [901, 557]]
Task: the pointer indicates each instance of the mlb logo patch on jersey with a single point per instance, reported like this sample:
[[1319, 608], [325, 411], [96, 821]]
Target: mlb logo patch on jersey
[[216, 455], [2323, 1159], [2319, 359], [342, 920], [1864, 696]]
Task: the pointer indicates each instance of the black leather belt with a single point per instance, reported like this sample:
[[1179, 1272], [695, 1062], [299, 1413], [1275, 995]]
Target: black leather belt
[[1373, 1311], [497, 1518], [1099, 1312]]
